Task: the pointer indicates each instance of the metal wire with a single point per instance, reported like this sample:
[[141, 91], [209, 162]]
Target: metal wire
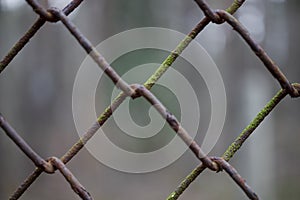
[[135, 91]]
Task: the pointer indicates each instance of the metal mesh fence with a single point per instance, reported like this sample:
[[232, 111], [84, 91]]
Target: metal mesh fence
[[133, 91]]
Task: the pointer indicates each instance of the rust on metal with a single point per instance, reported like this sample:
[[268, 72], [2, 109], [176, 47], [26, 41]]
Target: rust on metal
[[135, 91]]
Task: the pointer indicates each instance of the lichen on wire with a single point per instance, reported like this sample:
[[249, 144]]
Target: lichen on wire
[[237, 143], [134, 91]]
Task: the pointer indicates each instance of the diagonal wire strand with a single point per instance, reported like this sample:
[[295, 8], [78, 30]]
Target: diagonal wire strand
[[260, 53], [237, 144], [49, 166], [291, 89], [134, 91], [119, 99], [20, 44], [128, 90], [231, 171]]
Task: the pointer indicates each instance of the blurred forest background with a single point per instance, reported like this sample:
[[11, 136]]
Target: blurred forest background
[[36, 98]]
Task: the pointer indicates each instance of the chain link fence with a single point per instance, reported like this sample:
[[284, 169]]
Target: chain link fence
[[217, 164]]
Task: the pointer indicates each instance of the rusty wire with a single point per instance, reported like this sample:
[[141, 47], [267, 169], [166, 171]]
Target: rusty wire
[[136, 90], [20, 44], [224, 165], [49, 165]]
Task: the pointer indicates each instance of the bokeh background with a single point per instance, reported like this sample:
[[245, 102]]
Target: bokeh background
[[36, 98]]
